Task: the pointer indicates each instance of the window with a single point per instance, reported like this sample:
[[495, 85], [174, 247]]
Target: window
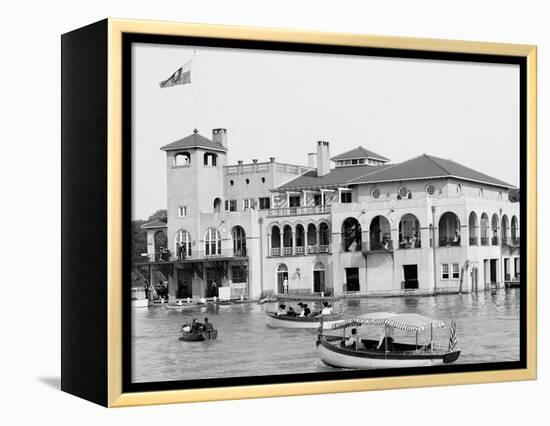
[[265, 203], [455, 271], [248, 203], [458, 189], [375, 193], [212, 242], [345, 197], [444, 271], [263, 180], [230, 205], [232, 182], [317, 199], [361, 161], [247, 181], [210, 159], [430, 189], [294, 201], [183, 243], [182, 159], [353, 161], [182, 211], [402, 192]]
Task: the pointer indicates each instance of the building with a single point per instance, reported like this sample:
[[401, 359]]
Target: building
[[364, 227]]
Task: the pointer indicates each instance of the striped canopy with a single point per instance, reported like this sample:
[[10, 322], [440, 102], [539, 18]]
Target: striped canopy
[[374, 318], [413, 322], [406, 322]]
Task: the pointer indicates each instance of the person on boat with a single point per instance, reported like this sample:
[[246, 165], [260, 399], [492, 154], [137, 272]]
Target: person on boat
[[186, 328], [300, 310], [351, 341], [327, 310], [291, 312], [195, 326], [305, 310], [386, 341], [282, 310], [207, 325]]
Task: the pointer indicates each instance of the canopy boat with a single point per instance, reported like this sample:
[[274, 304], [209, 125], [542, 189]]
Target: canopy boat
[[312, 321], [385, 353]]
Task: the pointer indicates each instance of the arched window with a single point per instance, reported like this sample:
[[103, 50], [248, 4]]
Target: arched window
[[287, 240], [324, 237], [210, 159], [161, 243], [212, 242], [351, 235], [300, 236], [472, 229], [409, 232], [217, 205], [182, 159], [275, 241], [282, 278], [182, 243], [484, 229], [505, 231], [319, 277], [380, 234], [494, 230], [449, 230], [514, 231], [311, 238], [239, 241]]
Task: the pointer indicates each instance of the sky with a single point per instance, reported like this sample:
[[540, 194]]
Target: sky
[[278, 104]]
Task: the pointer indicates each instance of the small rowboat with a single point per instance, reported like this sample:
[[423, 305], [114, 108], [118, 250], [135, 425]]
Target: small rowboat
[[313, 321], [368, 354], [199, 337]]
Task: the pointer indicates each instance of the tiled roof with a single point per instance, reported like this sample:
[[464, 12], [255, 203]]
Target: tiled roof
[[154, 224], [359, 152], [194, 140], [421, 167]]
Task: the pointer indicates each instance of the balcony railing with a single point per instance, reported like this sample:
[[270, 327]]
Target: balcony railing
[[287, 251], [449, 242], [324, 248], [494, 241], [297, 211], [300, 250], [311, 249], [484, 241], [515, 241], [409, 244], [191, 255], [473, 241], [374, 245], [276, 251]]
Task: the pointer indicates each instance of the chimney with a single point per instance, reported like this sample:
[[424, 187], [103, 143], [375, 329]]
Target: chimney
[[323, 163], [312, 159], [220, 136]]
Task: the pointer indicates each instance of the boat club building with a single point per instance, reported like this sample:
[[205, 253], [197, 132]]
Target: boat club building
[[352, 224]]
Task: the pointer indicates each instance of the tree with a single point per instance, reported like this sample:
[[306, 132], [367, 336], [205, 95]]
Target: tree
[[513, 195]]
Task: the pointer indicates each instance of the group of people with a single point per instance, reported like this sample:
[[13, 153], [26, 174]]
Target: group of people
[[196, 327], [302, 311], [385, 342]]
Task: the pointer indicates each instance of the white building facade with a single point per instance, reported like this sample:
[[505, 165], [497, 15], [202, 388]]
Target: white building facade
[[365, 227]]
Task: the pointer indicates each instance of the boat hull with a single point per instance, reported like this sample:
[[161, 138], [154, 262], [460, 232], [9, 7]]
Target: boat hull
[[336, 356], [272, 320], [199, 337]]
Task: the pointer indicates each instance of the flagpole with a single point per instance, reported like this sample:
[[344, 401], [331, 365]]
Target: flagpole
[[194, 90]]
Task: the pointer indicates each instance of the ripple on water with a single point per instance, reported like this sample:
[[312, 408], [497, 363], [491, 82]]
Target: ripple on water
[[487, 330]]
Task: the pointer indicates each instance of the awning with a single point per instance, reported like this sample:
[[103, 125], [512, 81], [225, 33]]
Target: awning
[[413, 322], [374, 318], [406, 322]]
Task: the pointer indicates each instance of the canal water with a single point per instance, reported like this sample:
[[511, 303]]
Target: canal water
[[487, 330]]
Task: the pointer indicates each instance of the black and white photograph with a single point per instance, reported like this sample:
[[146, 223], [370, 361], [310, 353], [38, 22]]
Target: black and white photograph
[[304, 213]]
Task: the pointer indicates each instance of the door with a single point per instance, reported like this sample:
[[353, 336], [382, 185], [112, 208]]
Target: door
[[352, 279], [213, 282], [410, 274], [185, 283], [493, 271], [318, 281]]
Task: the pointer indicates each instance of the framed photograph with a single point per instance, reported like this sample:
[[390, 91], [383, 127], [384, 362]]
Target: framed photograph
[[254, 212]]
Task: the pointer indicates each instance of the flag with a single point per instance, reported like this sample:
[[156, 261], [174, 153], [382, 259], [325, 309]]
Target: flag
[[342, 308], [452, 336], [181, 76]]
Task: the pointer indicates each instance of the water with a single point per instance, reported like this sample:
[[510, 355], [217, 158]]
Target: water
[[487, 330]]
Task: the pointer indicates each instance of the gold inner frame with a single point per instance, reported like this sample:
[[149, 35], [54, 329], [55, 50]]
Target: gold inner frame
[[116, 27]]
